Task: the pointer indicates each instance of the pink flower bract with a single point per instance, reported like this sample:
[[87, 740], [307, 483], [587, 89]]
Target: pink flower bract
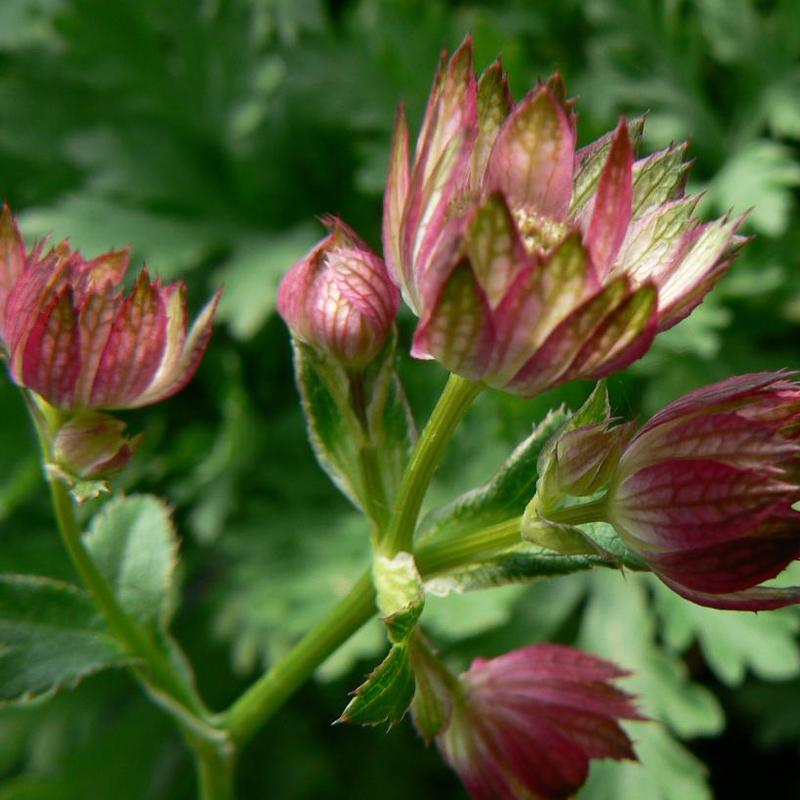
[[530, 263], [704, 492], [72, 336], [529, 722]]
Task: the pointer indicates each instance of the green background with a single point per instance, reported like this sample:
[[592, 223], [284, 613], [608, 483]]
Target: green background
[[209, 136]]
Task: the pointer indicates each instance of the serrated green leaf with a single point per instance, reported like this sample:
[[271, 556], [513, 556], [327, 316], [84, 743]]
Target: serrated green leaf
[[732, 643], [133, 543], [386, 694], [50, 637]]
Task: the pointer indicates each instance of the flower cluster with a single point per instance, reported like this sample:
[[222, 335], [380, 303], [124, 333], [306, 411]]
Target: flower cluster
[[73, 337], [530, 263], [527, 723]]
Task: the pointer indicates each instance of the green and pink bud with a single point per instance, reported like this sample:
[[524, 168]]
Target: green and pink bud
[[93, 446], [528, 723], [339, 299], [71, 335], [705, 492], [531, 263]]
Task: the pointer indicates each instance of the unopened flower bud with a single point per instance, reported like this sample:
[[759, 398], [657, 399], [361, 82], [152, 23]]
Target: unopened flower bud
[[705, 492], [93, 446], [526, 724], [339, 298]]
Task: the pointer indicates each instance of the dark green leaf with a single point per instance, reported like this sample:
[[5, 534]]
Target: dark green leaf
[[386, 694], [50, 637]]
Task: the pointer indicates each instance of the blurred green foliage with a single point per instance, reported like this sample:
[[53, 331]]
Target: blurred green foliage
[[209, 134]]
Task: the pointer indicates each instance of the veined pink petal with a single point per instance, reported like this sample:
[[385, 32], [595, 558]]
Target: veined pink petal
[[35, 288], [732, 566], [394, 202], [725, 436], [611, 214], [692, 503], [494, 105], [657, 240], [541, 297], [101, 275], [134, 348], [97, 315], [624, 336], [51, 357], [532, 158], [360, 277], [12, 259], [494, 248], [554, 357], [693, 274], [183, 354], [760, 598], [458, 330], [730, 393], [452, 107]]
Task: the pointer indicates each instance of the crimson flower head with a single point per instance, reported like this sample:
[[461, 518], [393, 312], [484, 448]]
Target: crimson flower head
[[72, 336], [705, 490], [339, 298], [527, 723], [530, 263]]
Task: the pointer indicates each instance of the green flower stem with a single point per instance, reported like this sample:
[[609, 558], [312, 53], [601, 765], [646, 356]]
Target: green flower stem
[[434, 557], [456, 399], [269, 693], [46, 420], [212, 749], [216, 771], [594, 511]]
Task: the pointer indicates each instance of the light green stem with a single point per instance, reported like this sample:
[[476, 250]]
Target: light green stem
[[594, 511], [433, 557], [212, 750], [216, 772], [270, 691], [456, 399]]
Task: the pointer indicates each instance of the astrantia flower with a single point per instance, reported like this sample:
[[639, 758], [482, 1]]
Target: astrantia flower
[[528, 263], [339, 298], [704, 492], [72, 336], [526, 724]]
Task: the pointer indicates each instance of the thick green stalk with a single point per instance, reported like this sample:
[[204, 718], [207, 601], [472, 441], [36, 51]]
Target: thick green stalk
[[456, 399], [213, 751], [270, 691], [216, 771]]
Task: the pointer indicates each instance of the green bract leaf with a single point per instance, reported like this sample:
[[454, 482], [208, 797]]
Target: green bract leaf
[[133, 544], [359, 425], [50, 637], [386, 694]]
